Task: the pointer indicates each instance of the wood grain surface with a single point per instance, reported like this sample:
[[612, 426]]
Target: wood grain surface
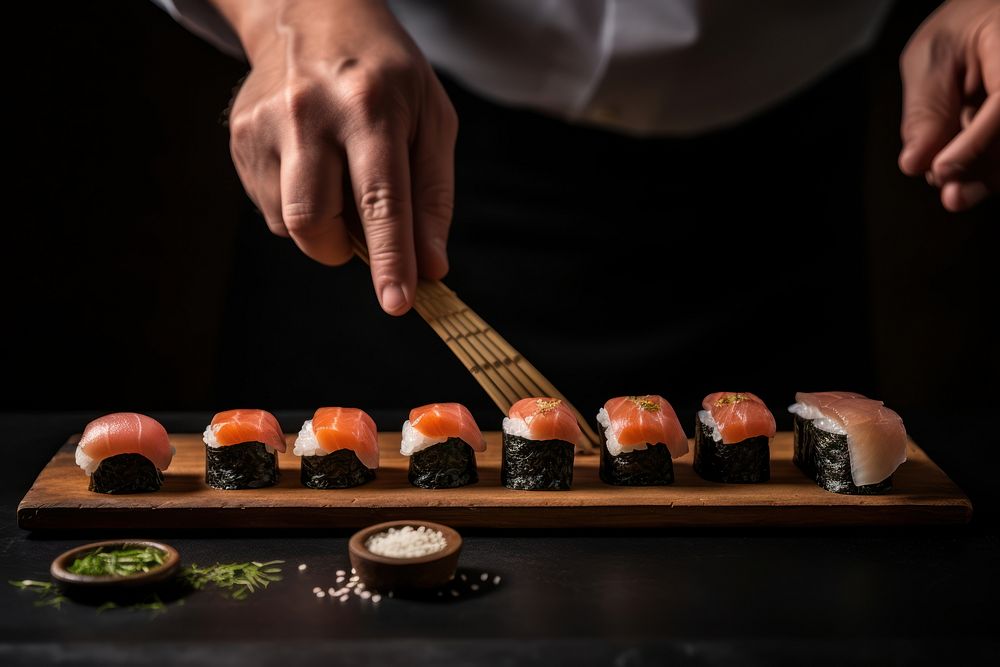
[[59, 498]]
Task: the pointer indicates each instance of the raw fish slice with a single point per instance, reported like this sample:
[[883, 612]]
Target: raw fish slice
[[821, 399], [124, 433], [547, 419], [347, 428], [876, 438], [234, 427], [739, 416], [440, 421], [639, 420]]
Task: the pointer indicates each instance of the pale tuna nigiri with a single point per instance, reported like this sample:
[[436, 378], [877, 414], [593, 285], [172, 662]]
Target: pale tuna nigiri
[[436, 423], [633, 422], [737, 416], [543, 419], [123, 433], [876, 438], [236, 427], [334, 429]]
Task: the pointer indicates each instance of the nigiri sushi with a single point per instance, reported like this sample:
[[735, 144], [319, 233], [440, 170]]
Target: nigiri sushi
[[339, 448], [852, 444], [240, 450], [732, 438], [540, 437], [124, 452], [641, 435], [441, 440]]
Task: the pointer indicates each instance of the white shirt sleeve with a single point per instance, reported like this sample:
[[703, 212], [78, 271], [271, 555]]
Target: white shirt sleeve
[[200, 17]]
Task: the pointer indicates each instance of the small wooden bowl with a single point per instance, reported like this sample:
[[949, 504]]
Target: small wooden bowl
[[387, 574], [60, 566]]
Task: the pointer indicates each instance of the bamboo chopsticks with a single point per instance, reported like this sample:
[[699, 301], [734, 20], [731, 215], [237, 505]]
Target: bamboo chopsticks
[[500, 370]]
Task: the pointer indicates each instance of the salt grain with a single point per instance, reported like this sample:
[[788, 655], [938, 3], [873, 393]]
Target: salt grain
[[406, 542]]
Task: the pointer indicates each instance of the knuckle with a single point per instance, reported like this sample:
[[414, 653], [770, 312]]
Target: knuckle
[[437, 204], [380, 203], [302, 99]]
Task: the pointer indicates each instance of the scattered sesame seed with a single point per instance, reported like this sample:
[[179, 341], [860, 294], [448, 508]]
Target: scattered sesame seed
[[321, 594], [454, 593], [351, 584], [340, 573], [302, 566], [340, 580], [316, 589], [474, 587], [484, 576], [365, 595], [354, 578], [353, 571], [496, 580], [343, 598], [331, 591], [361, 586], [376, 598], [463, 577]]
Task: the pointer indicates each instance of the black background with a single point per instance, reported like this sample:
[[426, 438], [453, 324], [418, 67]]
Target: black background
[[138, 277]]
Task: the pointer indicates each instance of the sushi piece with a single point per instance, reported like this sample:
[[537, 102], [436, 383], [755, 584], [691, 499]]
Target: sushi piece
[[441, 440], [802, 453], [240, 450], [733, 432], [640, 437], [339, 449], [850, 444], [540, 437], [124, 452]]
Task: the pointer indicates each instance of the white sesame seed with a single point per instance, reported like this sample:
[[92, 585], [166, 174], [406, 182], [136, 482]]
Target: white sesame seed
[[351, 584], [496, 580], [353, 571], [321, 594], [484, 576], [361, 586], [454, 593], [354, 578], [406, 542], [343, 598], [365, 595], [332, 591], [316, 589], [376, 598], [340, 573], [463, 577], [340, 580], [302, 566], [474, 587]]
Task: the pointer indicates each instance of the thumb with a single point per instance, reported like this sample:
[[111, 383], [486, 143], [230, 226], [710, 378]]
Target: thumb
[[931, 105]]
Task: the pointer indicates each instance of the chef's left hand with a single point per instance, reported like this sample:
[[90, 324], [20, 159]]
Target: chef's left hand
[[951, 102]]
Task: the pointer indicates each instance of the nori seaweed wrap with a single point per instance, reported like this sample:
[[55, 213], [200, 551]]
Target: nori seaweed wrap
[[536, 465], [651, 466], [340, 469], [247, 465], [831, 462], [446, 465], [126, 473], [744, 462]]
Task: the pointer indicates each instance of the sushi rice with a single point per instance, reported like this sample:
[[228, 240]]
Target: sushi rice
[[208, 437], [816, 416], [414, 441]]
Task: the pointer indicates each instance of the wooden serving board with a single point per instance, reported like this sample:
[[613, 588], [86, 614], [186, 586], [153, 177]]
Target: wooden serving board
[[59, 498]]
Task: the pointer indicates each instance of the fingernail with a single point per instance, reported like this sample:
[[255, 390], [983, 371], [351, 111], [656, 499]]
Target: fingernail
[[393, 297], [931, 179]]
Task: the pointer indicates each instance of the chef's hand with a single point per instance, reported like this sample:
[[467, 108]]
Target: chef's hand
[[951, 102], [335, 89]]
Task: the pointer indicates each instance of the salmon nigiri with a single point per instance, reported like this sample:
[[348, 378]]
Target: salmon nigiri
[[633, 422], [732, 438], [846, 442], [339, 448], [641, 436], [124, 452], [540, 438], [441, 440], [240, 449]]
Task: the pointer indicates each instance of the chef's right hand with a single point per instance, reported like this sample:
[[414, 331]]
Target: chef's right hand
[[339, 89]]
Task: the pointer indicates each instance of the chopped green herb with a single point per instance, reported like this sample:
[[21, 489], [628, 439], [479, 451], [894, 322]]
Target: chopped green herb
[[47, 592], [118, 562], [240, 578]]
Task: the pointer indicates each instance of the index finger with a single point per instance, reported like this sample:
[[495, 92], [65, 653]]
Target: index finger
[[378, 162]]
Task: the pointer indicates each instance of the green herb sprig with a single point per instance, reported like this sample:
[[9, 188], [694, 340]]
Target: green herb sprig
[[47, 592], [241, 579], [118, 562]]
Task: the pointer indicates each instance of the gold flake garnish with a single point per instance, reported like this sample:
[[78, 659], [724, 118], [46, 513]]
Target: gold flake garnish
[[646, 403], [546, 405], [731, 399]]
